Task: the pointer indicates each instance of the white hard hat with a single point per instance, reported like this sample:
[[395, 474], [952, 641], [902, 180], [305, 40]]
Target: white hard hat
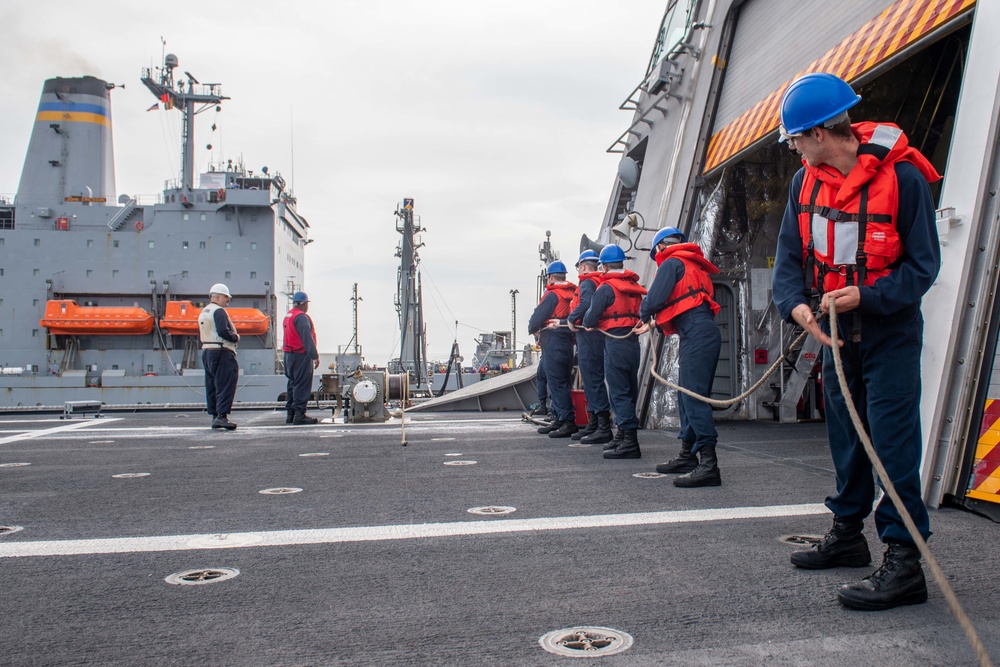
[[219, 288]]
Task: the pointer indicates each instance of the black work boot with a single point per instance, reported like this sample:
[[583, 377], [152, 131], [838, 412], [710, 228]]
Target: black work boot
[[629, 449], [602, 433], [302, 418], [540, 411], [843, 546], [588, 429], [565, 430], [551, 426], [707, 472], [684, 462], [899, 581], [290, 417], [222, 421], [613, 444]]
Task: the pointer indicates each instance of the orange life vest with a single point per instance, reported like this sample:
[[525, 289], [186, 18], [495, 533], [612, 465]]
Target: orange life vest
[[593, 276], [692, 290], [848, 223], [292, 342], [624, 311], [564, 291]]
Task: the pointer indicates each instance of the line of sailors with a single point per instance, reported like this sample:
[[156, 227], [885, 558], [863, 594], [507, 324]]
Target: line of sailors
[[604, 317]]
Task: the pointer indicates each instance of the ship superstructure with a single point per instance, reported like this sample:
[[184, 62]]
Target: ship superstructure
[[101, 294]]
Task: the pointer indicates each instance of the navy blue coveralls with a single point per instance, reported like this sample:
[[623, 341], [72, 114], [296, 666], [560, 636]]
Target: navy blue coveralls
[[621, 361], [557, 355], [883, 370], [222, 372], [299, 367], [541, 382], [700, 343], [590, 353]]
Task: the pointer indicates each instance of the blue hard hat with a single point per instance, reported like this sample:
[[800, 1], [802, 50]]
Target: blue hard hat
[[665, 233], [588, 256], [611, 254], [555, 267], [299, 297], [812, 100]]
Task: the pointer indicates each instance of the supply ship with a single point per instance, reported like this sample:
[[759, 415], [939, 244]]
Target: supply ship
[[102, 292]]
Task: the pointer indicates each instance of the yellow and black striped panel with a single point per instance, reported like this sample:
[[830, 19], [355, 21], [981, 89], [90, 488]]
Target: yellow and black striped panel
[[899, 26], [984, 482]]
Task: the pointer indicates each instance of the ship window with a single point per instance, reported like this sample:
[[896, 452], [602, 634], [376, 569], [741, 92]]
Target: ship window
[[114, 273], [253, 218], [114, 244], [149, 368], [204, 216], [114, 367], [1, 272], [34, 333], [149, 274], [201, 244], [38, 242], [229, 274], [152, 244], [253, 245], [185, 245], [229, 216], [184, 274], [34, 302], [253, 368], [1, 241], [90, 272], [253, 274], [186, 216], [229, 245], [256, 304], [90, 243], [35, 272]]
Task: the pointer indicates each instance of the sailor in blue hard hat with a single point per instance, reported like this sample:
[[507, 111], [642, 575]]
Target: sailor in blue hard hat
[[859, 231], [614, 310], [549, 322], [301, 359], [590, 354]]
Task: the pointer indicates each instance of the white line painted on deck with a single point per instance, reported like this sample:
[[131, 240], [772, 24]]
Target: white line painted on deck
[[53, 431], [396, 532]]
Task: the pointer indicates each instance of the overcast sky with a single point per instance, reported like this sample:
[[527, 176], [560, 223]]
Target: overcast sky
[[494, 117]]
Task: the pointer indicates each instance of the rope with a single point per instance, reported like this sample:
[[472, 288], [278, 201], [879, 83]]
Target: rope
[[918, 540]]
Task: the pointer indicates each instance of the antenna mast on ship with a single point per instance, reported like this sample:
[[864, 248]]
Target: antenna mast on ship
[[409, 304], [173, 95]]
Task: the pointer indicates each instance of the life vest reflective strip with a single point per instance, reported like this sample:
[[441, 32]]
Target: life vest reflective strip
[[292, 342], [564, 291], [624, 310], [593, 276], [207, 330], [848, 223], [692, 290]]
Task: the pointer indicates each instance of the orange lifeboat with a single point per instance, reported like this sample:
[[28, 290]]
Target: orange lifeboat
[[181, 319], [65, 317]]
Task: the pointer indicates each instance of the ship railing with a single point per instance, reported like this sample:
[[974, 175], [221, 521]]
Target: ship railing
[[119, 218]]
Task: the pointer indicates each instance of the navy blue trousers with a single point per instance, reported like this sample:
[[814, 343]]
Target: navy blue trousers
[[700, 343], [299, 371], [557, 349], [590, 356], [222, 372], [541, 382], [621, 368], [883, 376]]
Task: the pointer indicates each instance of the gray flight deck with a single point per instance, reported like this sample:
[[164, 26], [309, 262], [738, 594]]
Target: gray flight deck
[[377, 561]]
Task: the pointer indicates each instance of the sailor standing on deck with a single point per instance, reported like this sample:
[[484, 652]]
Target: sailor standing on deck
[[557, 348], [614, 309], [301, 359], [680, 299], [859, 229], [590, 354], [218, 344]]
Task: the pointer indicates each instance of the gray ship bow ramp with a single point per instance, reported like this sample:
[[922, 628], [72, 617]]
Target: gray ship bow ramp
[[511, 391]]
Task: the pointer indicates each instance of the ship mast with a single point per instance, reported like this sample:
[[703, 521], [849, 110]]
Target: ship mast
[[409, 305], [175, 96]]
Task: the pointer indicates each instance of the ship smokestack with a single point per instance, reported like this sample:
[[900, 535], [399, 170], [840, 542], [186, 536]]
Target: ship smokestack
[[70, 153]]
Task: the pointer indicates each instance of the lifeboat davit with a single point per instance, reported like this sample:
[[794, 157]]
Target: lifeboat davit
[[181, 319], [66, 317]]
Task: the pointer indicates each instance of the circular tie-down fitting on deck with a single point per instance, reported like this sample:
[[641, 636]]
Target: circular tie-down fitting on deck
[[130, 475], [14, 465], [203, 576], [801, 540], [7, 530], [460, 463], [492, 510], [280, 491], [315, 454], [648, 475], [586, 642]]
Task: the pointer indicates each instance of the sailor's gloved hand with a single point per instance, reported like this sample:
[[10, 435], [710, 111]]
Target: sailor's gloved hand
[[640, 328]]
